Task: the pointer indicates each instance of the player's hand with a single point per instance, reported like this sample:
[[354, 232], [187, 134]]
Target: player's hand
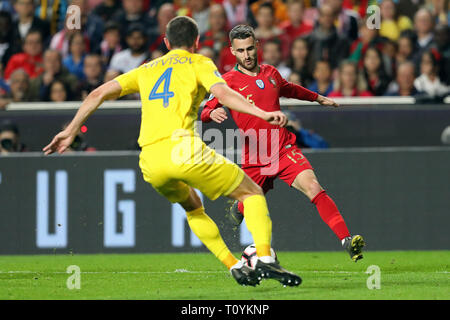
[[277, 118], [326, 101], [218, 115], [60, 142]]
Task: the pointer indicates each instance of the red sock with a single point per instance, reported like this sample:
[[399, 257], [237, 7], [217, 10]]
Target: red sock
[[241, 207], [330, 214]]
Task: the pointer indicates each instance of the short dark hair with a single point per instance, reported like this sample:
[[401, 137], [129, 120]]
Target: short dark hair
[[241, 32], [182, 32]]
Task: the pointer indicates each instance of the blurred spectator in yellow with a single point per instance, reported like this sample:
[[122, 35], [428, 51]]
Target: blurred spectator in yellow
[[392, 23]]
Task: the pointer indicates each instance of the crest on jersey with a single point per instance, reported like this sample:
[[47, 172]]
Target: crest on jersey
[[260, 83], [217, 73]]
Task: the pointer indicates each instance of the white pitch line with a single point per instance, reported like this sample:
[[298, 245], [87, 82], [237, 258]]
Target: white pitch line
[[176, 271]]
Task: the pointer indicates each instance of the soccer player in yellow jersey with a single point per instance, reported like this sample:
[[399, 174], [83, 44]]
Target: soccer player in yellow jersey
[[174, 160]]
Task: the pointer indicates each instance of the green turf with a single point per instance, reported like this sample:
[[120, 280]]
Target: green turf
[[326, 275]]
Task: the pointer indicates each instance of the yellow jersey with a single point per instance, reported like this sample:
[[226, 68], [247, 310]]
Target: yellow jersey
[[171, 89]]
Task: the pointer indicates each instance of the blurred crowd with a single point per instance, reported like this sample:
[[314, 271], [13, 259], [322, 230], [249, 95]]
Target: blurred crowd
[[329, 46]]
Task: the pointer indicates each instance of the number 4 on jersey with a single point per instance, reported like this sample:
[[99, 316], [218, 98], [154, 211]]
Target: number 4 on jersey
[[165, 94]]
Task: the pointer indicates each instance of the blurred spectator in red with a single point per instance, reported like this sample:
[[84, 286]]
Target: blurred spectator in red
[[26, 20], [93, 74], [111, 43], [359, 6], [374, 72], [75, 59], [135, 55], [280, 9], [428, 81], [346, 20], [166, 12], [132, 12], [268, 30], [442, 38], [348, 83], [322, 75], [53, 70], [107, 9], [10, 138], [217, 35], [404, 84], [238, 12], [300, 60], [392, 23], [295, 26], [367, 37], [9, 44], [325, 42], [30, 59], [91, 28], [272, 56]]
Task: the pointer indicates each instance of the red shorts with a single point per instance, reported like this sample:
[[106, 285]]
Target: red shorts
[[290, 164]]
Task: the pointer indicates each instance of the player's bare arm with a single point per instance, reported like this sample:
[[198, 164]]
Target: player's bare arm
[[108, 91], [235, 101]]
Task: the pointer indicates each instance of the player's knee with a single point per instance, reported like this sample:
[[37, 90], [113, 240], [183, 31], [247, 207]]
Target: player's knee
[[312, 189]]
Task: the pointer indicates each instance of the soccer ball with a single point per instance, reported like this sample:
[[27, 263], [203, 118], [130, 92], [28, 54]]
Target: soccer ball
[[249, 257]]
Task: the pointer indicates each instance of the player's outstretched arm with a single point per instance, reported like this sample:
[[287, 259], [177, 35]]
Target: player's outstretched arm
[[235, 101], [108, 91]]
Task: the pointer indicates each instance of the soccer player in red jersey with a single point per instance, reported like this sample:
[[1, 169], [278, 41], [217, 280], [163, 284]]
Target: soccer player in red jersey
[[270, 151]]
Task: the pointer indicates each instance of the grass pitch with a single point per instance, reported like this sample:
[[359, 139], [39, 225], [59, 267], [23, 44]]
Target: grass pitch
[[326, 275]]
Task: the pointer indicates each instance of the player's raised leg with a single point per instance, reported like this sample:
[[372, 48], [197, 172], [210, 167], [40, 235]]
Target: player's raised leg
[[260, 226], [208, 232], [307, 182]]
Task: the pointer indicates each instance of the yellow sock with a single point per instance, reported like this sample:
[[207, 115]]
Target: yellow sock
[[208, 232], [259, 223]]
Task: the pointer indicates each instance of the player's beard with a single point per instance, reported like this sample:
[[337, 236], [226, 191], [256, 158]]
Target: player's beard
[[249, 64]]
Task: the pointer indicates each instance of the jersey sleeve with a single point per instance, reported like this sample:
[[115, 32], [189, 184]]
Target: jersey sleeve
[[128, 82], [207, 73], [210, 105], [292, 90]]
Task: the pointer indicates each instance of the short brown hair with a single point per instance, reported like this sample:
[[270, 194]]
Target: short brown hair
[[182, 32]]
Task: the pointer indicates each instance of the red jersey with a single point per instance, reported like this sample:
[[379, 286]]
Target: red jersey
[[264, 91]]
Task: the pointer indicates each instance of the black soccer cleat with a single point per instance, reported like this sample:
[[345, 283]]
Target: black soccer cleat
[[275, 271], [354, 247], [245, 276], [234, 216]]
